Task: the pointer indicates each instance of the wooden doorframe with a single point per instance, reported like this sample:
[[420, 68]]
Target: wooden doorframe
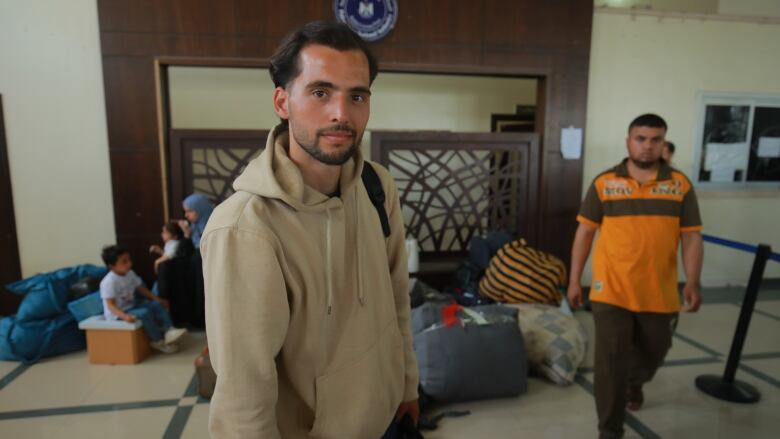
[[10, 265]]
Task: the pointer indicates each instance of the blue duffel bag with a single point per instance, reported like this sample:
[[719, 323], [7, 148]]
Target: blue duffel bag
[[46, 294], [30, 341]]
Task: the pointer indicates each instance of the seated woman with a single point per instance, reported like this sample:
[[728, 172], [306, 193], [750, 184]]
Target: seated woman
[[197, 210]]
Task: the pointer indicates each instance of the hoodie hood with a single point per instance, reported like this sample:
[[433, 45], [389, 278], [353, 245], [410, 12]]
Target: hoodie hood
[[273, 175]]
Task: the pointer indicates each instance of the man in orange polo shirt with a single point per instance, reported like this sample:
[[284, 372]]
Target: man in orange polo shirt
[[643, 209]]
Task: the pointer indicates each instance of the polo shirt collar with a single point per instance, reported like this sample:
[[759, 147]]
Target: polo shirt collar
[[664, 172]]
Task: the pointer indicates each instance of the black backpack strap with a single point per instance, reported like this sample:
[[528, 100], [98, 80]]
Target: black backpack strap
[[376, 193]]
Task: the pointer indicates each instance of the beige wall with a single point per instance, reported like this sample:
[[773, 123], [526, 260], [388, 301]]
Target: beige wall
[[52, 88], [693, 6], [763, 8], [222, 98], [644, 64], [241, 98]]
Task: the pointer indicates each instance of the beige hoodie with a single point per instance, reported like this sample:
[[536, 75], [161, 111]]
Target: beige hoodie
[[307, 308]]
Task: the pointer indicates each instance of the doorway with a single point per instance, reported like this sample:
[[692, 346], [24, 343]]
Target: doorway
[[10, 268]]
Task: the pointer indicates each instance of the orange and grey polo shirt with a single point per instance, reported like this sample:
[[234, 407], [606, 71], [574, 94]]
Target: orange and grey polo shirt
[[635, 260]]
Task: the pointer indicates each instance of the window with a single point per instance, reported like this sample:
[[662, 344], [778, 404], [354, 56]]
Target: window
[[738, 142]]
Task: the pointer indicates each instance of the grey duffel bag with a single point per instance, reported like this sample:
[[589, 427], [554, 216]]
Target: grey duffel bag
[[480, 355]]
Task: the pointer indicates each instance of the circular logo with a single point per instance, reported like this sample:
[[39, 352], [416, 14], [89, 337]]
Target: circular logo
[[371, 19]]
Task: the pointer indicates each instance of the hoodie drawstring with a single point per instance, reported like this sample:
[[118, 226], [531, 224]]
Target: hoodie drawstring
[[359, 252], [361, 289], [328, 266]]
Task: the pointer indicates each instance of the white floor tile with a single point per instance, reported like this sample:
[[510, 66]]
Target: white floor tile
[[675, 408], [714, 326], [130, 424], [55, 382], [546, 411], [770, 306], [7, 366], [32, 428], [198, 424], [769, 367], [684, 351]]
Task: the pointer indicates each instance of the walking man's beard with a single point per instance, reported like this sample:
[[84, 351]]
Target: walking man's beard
[[643, 164]]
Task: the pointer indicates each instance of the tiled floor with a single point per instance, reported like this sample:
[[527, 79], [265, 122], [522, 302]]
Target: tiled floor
[[66, 397]]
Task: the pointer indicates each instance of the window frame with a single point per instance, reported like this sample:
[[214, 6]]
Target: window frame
[[751, 100]]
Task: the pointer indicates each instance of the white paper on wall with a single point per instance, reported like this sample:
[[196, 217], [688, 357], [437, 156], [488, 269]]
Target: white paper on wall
[[726, 155], [721, 175], [769, 147], [571, 143]]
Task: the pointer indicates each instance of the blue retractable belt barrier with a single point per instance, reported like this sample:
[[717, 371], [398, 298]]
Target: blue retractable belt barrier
[[739, 246], [726, 387]]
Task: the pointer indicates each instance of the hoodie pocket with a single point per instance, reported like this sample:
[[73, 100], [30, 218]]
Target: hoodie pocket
[[359, 400]]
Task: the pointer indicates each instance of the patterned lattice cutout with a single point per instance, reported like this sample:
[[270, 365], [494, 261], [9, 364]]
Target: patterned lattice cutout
[[215, 168], [449, 196]]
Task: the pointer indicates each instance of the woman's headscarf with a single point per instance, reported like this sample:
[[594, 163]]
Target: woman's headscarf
[[203, 207]]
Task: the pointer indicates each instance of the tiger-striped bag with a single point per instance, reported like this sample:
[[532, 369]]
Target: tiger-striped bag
[[521, 274]]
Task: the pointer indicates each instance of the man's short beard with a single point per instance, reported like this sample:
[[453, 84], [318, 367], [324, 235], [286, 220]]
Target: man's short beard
[[645, 164], [312, 147]]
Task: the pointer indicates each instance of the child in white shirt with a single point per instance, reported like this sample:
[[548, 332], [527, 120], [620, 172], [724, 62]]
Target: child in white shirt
[[118, 290], [171, 235]]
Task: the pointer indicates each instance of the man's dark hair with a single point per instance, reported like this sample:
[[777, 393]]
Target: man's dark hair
[[285, 63], [648, 120], [670, 146], [173, 228], [111, 254]]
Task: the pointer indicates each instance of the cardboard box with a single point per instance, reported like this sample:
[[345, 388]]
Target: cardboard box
[[115, 342]]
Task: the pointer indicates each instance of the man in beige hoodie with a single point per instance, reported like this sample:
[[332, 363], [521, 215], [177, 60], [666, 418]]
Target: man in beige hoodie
[[307, 308]]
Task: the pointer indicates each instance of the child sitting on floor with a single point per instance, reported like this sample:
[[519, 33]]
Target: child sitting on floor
[[171, 235], [118, 289]]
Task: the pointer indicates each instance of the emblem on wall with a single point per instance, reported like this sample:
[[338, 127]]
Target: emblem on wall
[[371, 19]]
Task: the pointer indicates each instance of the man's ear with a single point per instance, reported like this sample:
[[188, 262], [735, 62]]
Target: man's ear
[[280, 103]]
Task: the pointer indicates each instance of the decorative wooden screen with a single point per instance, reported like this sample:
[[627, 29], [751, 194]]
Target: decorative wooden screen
[[454, 186], [207, 161]]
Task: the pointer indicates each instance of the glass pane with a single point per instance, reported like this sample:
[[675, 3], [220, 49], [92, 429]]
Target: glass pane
[[765, 145], [724, 147]]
